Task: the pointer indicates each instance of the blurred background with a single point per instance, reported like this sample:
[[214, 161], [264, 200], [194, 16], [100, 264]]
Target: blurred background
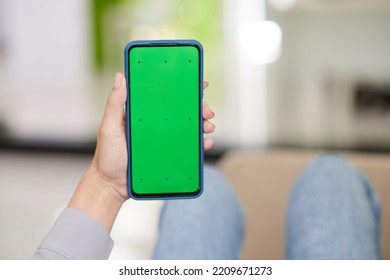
[[301, 74]]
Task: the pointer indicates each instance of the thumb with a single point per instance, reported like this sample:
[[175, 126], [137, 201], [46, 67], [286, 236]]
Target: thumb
[[114, 111]]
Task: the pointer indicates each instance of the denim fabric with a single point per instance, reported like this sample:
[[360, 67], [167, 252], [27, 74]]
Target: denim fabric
[[333, 213], [209, 227]]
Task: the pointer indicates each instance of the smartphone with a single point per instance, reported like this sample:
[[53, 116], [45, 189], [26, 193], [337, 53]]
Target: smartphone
[[164, 121]]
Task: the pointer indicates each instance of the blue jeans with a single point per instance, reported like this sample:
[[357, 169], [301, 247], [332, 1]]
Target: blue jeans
[[209, 227], [333, 213]]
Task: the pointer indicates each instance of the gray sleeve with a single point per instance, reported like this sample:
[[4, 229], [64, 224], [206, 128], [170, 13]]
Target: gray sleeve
[[75, 236]]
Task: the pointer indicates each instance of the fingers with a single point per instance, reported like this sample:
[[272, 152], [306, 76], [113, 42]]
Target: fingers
[[208, 127], [114, 112], [208, 113], [207, 144]]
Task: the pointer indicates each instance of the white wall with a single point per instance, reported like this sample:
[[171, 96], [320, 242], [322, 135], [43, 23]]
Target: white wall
[[45, 80], [325, 51]]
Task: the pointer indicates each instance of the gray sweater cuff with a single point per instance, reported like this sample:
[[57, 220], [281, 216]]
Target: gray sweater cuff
[[75, 236]]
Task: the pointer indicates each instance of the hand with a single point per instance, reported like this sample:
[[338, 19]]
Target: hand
[[208, 127], [103, 188]]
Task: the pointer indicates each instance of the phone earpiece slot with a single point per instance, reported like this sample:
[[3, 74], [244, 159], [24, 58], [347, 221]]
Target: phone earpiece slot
[[163, 44]]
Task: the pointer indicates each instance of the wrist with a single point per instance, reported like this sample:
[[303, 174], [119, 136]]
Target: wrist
[[97, 197]]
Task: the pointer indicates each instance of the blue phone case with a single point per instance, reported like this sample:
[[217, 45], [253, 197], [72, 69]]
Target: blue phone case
[[150, 43]]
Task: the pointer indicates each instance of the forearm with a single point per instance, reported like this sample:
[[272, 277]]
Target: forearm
[[96, 197]]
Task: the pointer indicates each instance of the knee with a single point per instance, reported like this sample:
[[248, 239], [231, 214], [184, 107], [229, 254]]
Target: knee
[[216, 186], [220, 193], [217, 199], [330, 167], [329, 164], [330, 174], [218, 205]]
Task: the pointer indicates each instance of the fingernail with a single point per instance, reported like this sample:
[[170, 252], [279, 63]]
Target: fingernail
[[118, 80]]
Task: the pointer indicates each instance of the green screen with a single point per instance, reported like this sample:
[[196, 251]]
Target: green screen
[[164, 119]]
